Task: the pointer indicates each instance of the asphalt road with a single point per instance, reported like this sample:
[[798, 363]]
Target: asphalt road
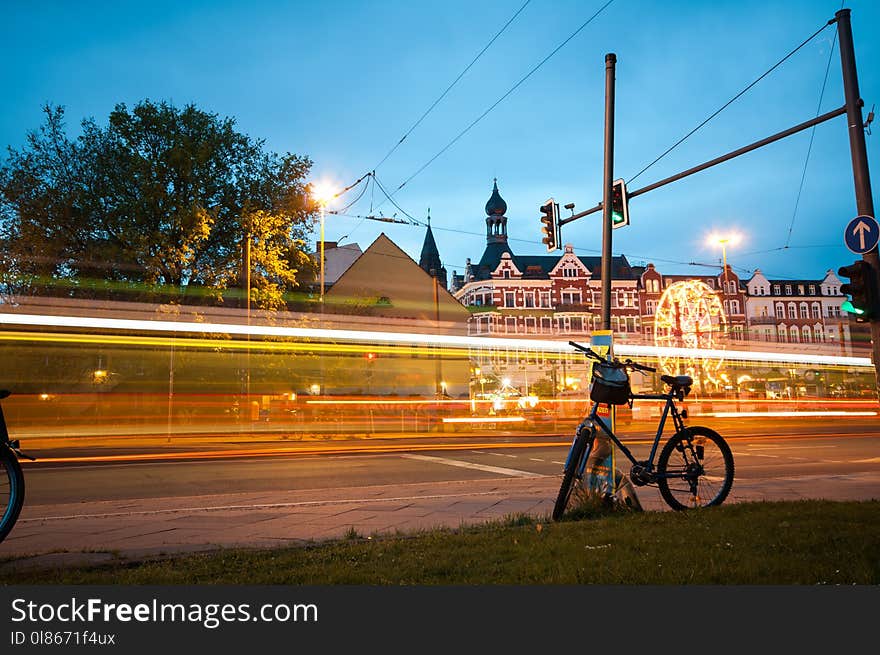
[[762, 450]]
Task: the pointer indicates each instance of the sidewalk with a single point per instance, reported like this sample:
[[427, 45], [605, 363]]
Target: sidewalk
[[90, 533]]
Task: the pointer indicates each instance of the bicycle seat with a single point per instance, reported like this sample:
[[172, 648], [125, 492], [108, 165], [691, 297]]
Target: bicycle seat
[[678, 380]]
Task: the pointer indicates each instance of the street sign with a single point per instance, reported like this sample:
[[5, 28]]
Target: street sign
[[861, 234]]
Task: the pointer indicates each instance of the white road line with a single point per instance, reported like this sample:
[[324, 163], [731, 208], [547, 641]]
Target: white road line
[[871, 460], [535, 459], [469, 465], [777, 447]]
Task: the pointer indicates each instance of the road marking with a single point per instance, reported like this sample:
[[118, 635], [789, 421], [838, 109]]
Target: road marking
[[535, 459], [768, 447], [479, 467], [871, 460]]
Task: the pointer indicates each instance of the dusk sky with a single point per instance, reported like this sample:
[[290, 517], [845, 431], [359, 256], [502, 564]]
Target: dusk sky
[[342, 82]]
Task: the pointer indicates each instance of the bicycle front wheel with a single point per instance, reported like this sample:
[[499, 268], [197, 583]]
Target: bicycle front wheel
[[570, 480], [695, 469], [11, 490]]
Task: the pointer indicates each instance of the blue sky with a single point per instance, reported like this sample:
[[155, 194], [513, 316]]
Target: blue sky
[[343, 81]]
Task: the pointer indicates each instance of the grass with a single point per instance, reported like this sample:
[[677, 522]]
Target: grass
[[779, 543]]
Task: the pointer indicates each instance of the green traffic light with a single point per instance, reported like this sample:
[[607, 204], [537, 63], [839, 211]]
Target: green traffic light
[[847, 306], [616, 217]]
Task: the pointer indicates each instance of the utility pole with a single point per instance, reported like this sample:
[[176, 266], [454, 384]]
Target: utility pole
[[607, 180], [858, 151]]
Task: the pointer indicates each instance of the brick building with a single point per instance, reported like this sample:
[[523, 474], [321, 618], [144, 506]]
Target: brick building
[[560, 295]]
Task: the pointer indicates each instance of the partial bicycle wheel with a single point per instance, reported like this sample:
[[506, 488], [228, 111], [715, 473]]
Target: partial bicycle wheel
[[570, 481], [695, 469], [11, 490]]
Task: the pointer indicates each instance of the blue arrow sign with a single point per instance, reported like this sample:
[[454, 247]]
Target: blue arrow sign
[[861, 234]]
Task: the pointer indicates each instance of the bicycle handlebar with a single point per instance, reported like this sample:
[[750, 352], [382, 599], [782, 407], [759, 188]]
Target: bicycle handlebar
[[627, 363]]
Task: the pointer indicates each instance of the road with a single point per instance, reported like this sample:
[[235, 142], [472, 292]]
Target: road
[[89, 507], [762, 450]]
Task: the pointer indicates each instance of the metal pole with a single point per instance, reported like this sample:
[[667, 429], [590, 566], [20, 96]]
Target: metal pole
[[607, 180], [248, 347], [858, 150], [840, 111], [322, 257]]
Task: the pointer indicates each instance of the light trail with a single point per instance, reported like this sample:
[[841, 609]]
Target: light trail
[[331, 339], [771, 413]]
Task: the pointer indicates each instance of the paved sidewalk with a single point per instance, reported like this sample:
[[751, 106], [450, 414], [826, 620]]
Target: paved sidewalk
[[80, 533]]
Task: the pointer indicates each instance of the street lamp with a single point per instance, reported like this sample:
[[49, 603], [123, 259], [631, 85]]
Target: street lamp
[[323, 193], [724, 240]]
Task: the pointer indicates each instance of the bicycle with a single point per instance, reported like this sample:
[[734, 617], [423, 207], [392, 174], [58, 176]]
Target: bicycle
[[11, 477], [694, 468]]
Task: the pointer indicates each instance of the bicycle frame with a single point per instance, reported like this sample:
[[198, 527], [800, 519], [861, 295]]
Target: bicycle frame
[[668, 408]]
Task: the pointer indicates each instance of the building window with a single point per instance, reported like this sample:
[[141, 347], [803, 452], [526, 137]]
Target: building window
[[577, 324], [794, 334], [817, 312], [510, 324], [817, 331], [529, 297], [775, 289], [734, 306], [506, 274], [571, 297], [804, 311], [651, 306], [531, 325], [509, 299], [545, 299], [780, 311], [792, 310], [546, 325], [807, 334], [812, 289], [787, 289]]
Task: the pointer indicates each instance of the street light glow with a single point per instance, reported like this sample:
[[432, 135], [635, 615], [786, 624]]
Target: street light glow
[[724, 240], [323, 192]]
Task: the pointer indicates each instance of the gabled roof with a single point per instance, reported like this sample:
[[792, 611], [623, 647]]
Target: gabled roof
[[538, 267], [385, 281]]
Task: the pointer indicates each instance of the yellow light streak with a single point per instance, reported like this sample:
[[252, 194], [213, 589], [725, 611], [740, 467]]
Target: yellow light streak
[[332, 340], [487, 419], [786, 414]]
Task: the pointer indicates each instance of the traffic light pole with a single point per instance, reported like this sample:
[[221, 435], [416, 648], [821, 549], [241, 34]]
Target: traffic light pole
[[607, 182], [858, 150]]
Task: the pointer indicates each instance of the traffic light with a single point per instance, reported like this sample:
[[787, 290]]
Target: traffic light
[[619, 205], [861, 289], [550, 227]]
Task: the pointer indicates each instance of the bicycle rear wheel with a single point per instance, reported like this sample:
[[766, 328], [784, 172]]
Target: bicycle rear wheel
[[579, 451], [11, 490], [695, 469]]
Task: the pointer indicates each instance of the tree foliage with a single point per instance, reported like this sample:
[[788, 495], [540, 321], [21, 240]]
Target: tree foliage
[[159, 202]]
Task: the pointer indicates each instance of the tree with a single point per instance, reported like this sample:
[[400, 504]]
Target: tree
[[160, 201]]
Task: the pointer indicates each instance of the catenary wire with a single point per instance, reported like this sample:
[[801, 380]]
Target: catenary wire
[[454, 82], [501, 99], [731, 101], [812, 137]]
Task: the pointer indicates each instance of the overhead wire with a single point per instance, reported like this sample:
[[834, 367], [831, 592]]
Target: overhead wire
[[732, 100], [502, 98], [454, 82], [812, 137]]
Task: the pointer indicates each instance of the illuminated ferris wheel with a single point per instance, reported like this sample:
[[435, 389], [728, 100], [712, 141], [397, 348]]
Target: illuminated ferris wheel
[[689, 315]]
